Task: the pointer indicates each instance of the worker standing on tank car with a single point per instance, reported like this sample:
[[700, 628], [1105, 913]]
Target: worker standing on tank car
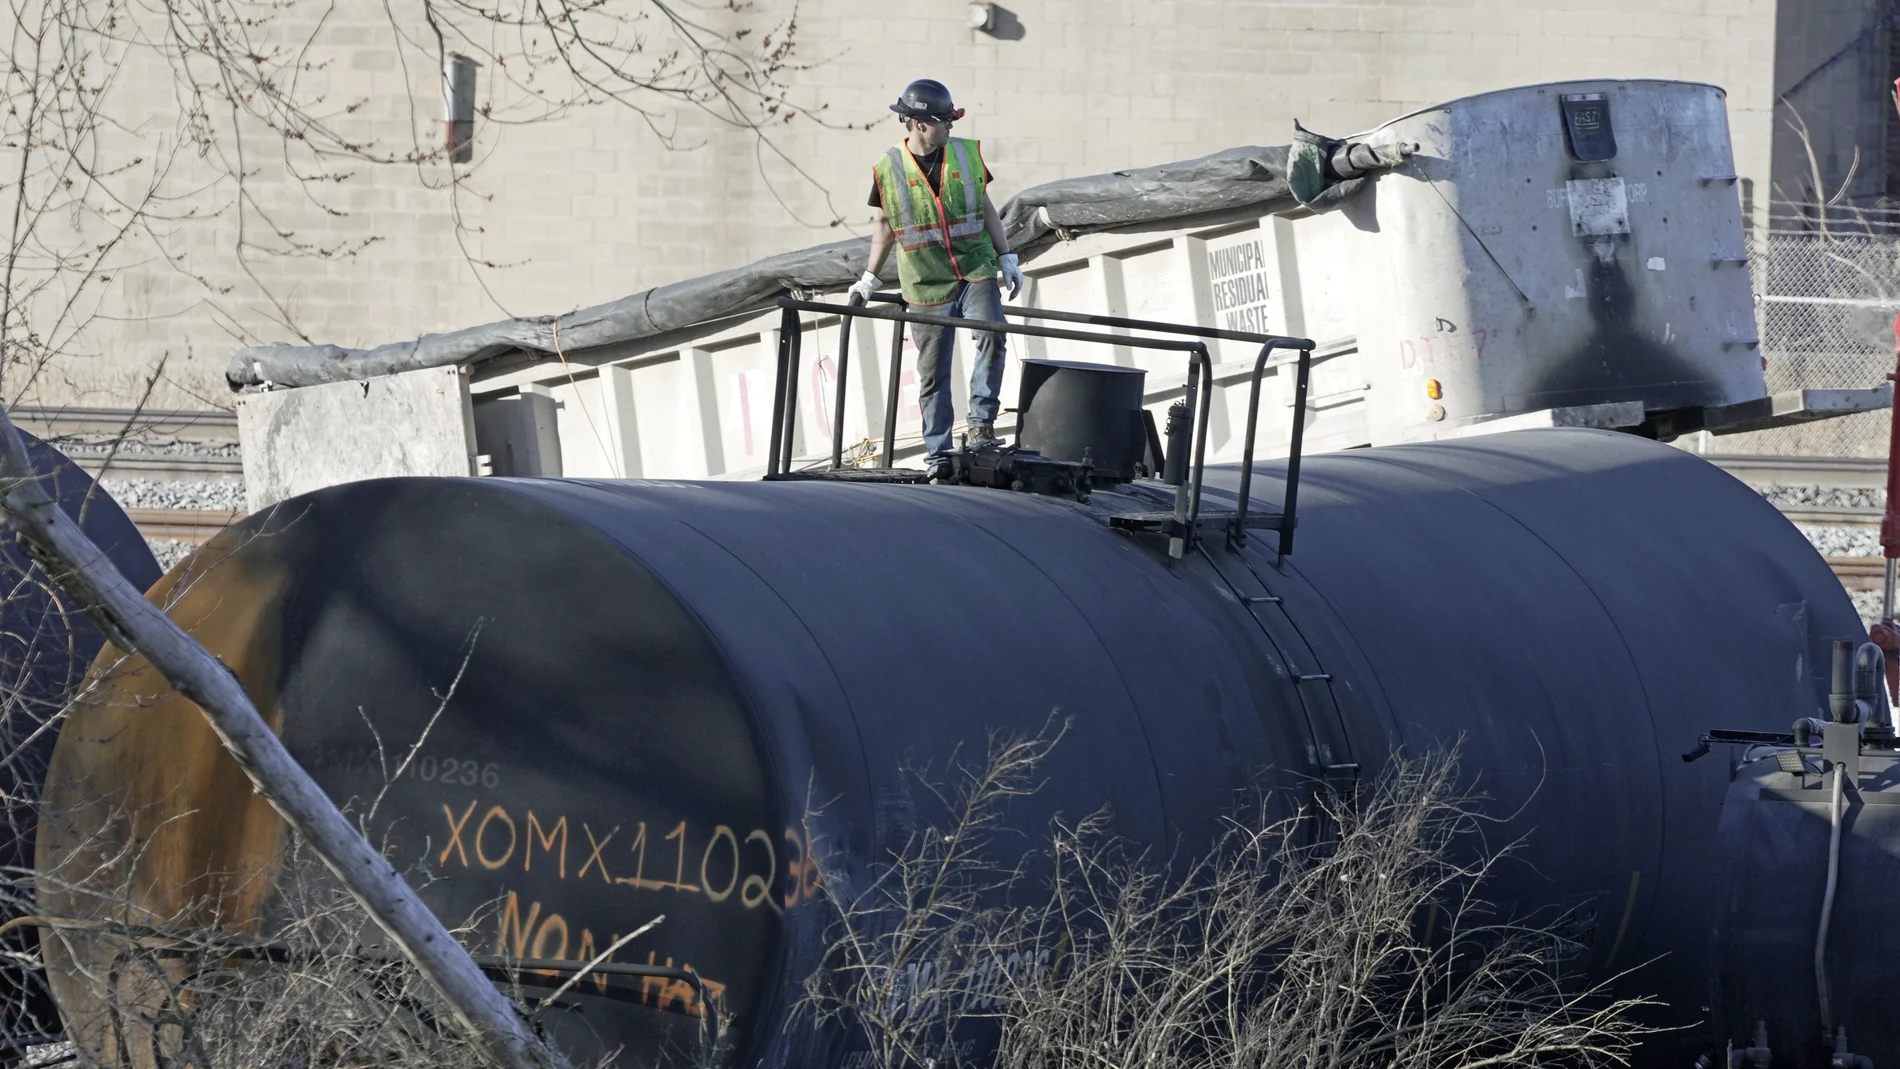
[[932, 192]]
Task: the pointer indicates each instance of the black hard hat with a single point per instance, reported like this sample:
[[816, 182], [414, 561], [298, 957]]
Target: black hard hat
[[927, 98]]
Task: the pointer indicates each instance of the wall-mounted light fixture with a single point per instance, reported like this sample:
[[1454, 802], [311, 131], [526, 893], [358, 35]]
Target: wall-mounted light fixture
[[458, 107], [996, 21]]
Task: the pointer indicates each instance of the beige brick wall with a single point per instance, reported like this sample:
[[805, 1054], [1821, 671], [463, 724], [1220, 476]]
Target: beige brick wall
[[595, 205]]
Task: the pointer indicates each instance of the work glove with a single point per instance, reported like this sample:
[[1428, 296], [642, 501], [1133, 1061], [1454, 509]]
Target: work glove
[[861, 290], [1012, 273]]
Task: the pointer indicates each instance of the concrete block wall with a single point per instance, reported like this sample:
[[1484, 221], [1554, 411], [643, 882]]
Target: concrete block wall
[[598, 203]]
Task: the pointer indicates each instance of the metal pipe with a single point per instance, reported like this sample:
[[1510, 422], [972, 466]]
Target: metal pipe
[[1827, 902], [1844, 1058], [1867, 666], [888, 459], [793, 351], [788, 363], [1870, 673], [1180, 426], [1239, 533], [1024, 312], [1165, 344], [1177, 539], [1200, 373], [1268, 342], [1836, 302], [1886, 634], [1807, 730], [1890, 520], [844, 368], [1205, 405], [1273, 341], [1289, 507], [1293, 462], [1840, 697], [787, 328]]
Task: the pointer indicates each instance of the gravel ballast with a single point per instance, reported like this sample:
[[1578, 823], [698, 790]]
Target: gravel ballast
[[1841, 540], [1825, 497], [209, 494]]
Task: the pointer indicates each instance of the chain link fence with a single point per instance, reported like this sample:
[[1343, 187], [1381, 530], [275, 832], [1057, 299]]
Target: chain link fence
[[1825, 304]]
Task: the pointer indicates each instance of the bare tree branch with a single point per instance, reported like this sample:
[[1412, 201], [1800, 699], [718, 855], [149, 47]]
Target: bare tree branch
[[229, 125], [139, 627], [1346, 935]]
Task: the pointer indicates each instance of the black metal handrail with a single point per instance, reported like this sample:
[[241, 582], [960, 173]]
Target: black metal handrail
[[1291, 499], [1268, 343], [1199, 391]]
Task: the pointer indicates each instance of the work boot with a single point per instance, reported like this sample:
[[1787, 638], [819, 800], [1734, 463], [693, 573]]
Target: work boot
[[982, 436], [939, 472]]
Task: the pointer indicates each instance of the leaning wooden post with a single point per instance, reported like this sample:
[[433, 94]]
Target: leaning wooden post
[[139, 627]]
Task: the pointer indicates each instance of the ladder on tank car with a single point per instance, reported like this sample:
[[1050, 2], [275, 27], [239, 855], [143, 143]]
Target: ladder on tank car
[[1182, 525]]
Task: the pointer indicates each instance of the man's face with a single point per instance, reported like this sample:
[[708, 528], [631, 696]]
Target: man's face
[[930, 133]]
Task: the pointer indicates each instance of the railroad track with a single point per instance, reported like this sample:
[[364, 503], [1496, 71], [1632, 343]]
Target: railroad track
[[202, 446], [1860, 573], [72, 421], [161, 445], [1857, 572], [1803, 471], [159, 466], [158, 446], [195, 526]]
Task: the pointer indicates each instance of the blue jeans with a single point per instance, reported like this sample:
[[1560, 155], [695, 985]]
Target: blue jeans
[[974, 300]]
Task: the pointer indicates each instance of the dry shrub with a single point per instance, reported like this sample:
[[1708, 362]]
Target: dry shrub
[[45, 647], [277, 967], [899, 960], [1353, 933], [184, 924], [311, 984], [314, 990], [158, 963]]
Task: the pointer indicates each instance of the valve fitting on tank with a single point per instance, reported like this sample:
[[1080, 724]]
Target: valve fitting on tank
[[1755, 1057], [1174, 464], [1851, 704], [1854, 696], [1840, 697], [1870, 673], [1842, 1058]]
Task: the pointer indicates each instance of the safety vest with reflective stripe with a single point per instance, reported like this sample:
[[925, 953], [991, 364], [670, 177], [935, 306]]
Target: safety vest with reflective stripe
[[940, 235]]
